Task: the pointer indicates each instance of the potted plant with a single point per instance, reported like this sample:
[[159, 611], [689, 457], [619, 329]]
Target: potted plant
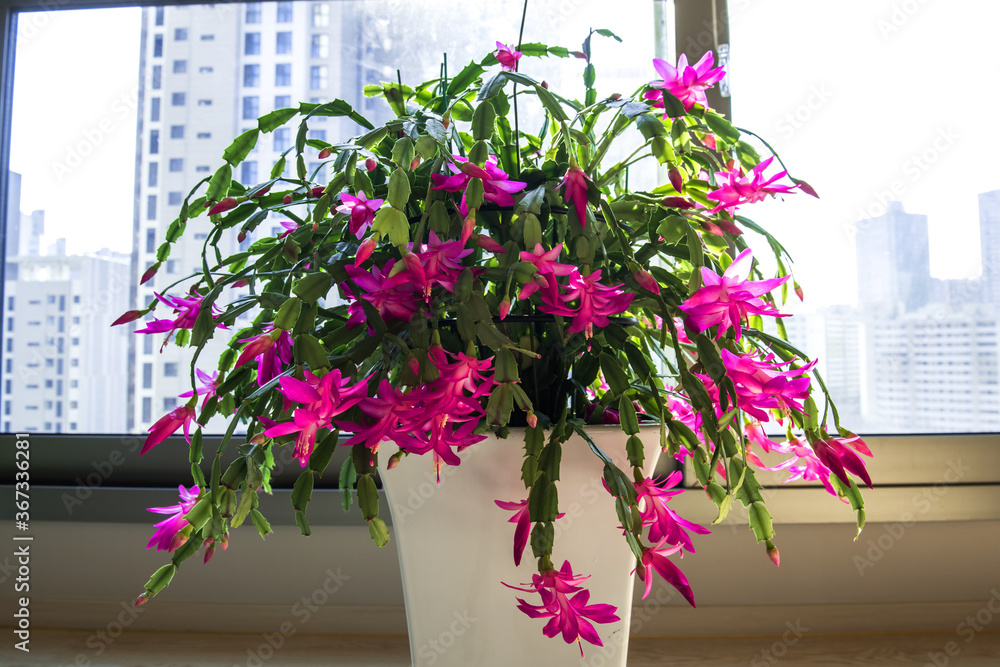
[[464, 289]]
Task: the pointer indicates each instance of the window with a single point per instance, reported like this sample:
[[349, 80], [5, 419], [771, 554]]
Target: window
[[283, 74], [174, 198], [320, 46], [156, 77], [154, 172], [206, 69], [320, 14], [251, 76], [147, 409], [171, 266], [202, 168], [169, 403], [317, 134], [154, 109], [176, 131], [159, 16], [147, 376], [317, 77], [180, 34], [204, 135], [154, 142], [251, 44], [249, 173], [282, 138], [251, 107], [204, 103], [178, 99], [208, 37], [282, 101], [180, 66], [284, 43], [284, 12], [151, 207], [170, 369], [151, 239], [176, 164], [157, 46], [252, 13]]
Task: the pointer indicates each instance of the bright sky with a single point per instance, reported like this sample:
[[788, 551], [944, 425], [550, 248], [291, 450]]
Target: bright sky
[[848, 92]]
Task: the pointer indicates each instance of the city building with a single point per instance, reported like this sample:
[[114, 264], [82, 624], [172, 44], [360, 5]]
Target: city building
[[894, 275]]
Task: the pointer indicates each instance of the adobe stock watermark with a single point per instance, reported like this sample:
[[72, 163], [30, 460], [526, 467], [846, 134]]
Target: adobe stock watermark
[[302, 611], [643, 611], [923, 503], [899, 16], [431, 651], [912, 170], [797, 118], [969, 628], [779, 648]]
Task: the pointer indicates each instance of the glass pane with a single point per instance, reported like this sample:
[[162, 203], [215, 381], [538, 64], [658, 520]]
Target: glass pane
[[94, 191], [884, 108]]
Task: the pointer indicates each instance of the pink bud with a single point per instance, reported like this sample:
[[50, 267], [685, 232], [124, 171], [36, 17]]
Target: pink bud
[[415, 163], [772, 553], [394, 460], [646, 279], [488, 244], [806, 188], [545, 85], [287, 199], [318, 191], [150, 272], [325, 153], [709, 141], [142, 599], [242, 282], [414, 365], [364, 252], [371, 164], [580, 54], [504, 307], [130, 316], [261, 192], [468, 225], [676, 179], [799, 293], [532, 420], [616, 96], [677, 202], [226, 204], [241, 237], [225, 542]]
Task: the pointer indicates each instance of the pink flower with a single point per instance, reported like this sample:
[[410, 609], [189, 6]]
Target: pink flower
[[209, 383], [507, 57], [760, 386], [167, 425], [438, 263], [655, 558], [595, 302], [497, 187], [686, 83], [361, 209], [570, 616], [665, 525], [186, 309], [575, 181], [804, 465], [167, 536], [384, 411], [728, 299], [272, 350], [737, 189], [523, 522], [836, 454], [392, 295], [546, 270]]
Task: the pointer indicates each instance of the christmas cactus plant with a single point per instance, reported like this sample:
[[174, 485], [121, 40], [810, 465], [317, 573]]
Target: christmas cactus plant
[[455, 274]]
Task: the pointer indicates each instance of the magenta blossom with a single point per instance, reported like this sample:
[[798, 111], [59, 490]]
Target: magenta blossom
[[570, 616], [361, 209], [186, 309], [546, 270], [729, 299], [686, 83], [655, 558], [595, 302], [836, 454], [167, 536], [523, 522], [166, 426], [392, 295], [497, 186], [209, 383], [272, 350], [737, 189], [804, 465], [576, 183], [507, 57], [437, 263], [760, 386], [382, 417], [665, 525]]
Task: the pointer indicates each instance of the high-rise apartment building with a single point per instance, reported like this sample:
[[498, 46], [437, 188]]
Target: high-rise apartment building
[[989, 238], [894, 274]]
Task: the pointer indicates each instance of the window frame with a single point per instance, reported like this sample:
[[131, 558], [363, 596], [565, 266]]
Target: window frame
[[687, 13]]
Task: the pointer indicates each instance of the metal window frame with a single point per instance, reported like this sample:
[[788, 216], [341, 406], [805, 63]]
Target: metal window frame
[[63, 461]]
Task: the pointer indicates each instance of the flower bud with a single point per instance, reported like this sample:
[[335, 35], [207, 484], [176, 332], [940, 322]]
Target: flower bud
[[150, 272], [677, 202], [241, 237], [287, 199], [772, 553], [371, 164], [709, 141], [226, 204], [676, 179], [414, 163], [504, 307], [799, 293], [325, 153], [130, 316], [242, 282], [532, 420], [616, 96], [317, 191], [261, 192], [142, 599], [364, 251], [488, 244], [394, 460], [414, 365], [646, 279]]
